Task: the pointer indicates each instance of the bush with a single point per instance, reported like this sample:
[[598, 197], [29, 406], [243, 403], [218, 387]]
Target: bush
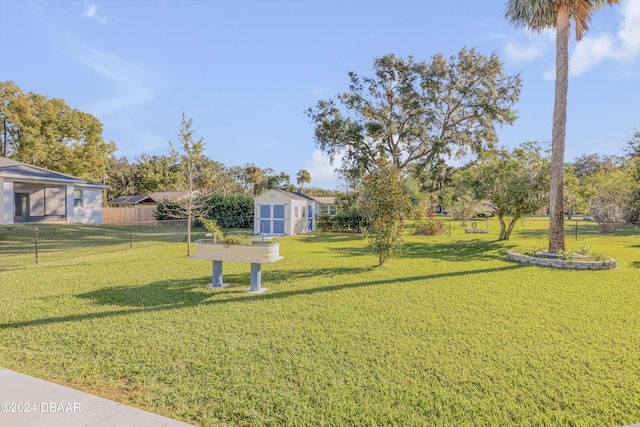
[[432, 227], [351, 222]]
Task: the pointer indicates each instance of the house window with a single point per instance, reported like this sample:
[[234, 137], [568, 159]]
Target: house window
[[77, 198], [295, 212], [22, 204], [302, 213]]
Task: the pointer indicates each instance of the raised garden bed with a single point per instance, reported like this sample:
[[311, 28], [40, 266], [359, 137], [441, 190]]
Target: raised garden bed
[[256, 252], [572, 263]]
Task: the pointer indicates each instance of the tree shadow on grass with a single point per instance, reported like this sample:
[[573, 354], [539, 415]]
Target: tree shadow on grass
[[180, 293], [450, 250], [457, 250], [324, 237]]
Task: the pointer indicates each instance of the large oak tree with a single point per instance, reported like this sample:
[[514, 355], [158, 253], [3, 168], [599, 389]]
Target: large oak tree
[[47, 132], [417, 114]]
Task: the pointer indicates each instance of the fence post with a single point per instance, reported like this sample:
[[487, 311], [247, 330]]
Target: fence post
[[37, 258]]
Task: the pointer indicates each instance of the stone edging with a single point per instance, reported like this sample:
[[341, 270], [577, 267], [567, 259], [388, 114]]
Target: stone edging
[[562, 263]]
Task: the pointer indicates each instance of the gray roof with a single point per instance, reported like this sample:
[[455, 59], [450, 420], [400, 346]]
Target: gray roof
[[294, 195], [131, 200], [148, 199], [17, 170]]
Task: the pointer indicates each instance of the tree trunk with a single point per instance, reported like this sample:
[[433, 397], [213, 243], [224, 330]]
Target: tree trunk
[[503, 228], [556, 195], [512, 224], [188, 234]]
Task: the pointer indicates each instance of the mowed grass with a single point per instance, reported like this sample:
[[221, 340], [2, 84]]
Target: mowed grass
[[449, 333]]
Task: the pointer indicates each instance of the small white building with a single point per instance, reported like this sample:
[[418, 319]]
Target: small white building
[[31, 194], [279, 212]]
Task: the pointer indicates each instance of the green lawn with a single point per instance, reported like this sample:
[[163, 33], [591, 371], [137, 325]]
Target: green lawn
[[448, 334]]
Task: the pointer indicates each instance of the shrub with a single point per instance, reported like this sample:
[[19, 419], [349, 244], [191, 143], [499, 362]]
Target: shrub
[[431, 227], [350, 222]]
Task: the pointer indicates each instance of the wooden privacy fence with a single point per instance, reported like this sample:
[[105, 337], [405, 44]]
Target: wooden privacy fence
[[128, 215]]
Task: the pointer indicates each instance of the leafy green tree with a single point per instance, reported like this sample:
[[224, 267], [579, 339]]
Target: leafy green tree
[[539, 15], [516, 183], [417, 114], [384, 205], [609, 195], [574, 192], [121, 178], [461, 201], [633, 152], [303, 177], [156, 173], [48, 133]]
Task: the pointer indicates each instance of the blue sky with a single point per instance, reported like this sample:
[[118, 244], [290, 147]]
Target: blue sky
[[246, 71]]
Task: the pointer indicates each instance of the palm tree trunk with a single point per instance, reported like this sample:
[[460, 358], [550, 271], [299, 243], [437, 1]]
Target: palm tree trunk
[[556, 196]]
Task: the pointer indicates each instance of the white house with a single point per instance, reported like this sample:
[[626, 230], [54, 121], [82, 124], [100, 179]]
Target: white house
[[279, 212], [325, 205], [31, 194]]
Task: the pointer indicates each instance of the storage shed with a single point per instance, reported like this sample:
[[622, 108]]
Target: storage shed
[[279, 212]]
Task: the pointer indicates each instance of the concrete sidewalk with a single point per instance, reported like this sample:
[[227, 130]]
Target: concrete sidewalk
[[28, 401]]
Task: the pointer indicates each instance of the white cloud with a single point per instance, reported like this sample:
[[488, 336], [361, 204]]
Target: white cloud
[[322, 172], [629, 33], [536, 45], [129, 85], [522, 53], [130, 81], [591, 51], [92, 13]]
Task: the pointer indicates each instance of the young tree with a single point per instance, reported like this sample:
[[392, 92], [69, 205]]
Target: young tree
[[462, 203], [610, 193], [633, 152], [303, 177], [539, 15], [417, 114], [188, 156], [516, 183], [384, 205]]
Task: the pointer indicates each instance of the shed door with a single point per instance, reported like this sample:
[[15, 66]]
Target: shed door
[[265, 219], [278, 219], [310, 218], [272, 218]]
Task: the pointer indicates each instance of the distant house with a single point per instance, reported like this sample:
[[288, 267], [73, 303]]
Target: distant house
[[325, 205], [279, 212], [147, 200], [30, 194]]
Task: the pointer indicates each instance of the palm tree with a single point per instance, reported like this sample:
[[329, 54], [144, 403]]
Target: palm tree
[[303, 177], [253, 176], [538, 15]]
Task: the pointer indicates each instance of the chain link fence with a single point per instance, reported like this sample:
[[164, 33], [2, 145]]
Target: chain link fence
[[24, 245], [574, 228]]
